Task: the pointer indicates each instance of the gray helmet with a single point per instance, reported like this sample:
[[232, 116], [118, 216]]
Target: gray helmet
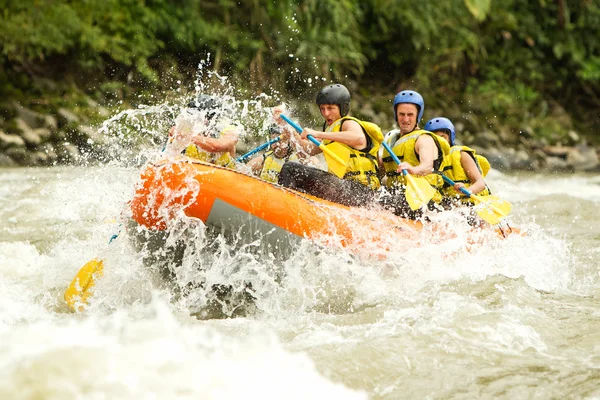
[[207, 103], [275, 130], [335, 94]]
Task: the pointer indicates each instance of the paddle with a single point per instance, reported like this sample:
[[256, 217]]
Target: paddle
[[419, 191], [494, 208], [243, 158], [79, 290], [341, 162]]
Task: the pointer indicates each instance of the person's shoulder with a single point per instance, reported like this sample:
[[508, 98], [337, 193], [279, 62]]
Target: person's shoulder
[[350, 122], [426, 137]]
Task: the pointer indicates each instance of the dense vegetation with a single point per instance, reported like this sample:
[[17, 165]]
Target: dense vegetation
[[510, 64]]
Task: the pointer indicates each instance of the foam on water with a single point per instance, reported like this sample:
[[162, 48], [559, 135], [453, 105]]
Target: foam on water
[[124, 357], [529, 187], [452, 296]]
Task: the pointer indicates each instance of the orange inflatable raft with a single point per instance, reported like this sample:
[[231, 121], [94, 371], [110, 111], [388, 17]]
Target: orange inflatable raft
[[247, 206]]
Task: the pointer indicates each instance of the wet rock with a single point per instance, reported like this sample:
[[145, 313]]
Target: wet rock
[[557, 151], [50, 122], [68, 116], [498, 159], [556, 164], [19, 155], [540, 158], [525, 142], [505, 135], [539, 143], [40, 157], [527, 132], [486, 139], [43, 133], [582, 158], [522, 161], [6, 161], [70, 151], [573, 137], [8, 140], [49, 149], [32, 119], [27, 133]]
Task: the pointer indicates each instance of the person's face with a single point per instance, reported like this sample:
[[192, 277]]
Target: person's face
[[282, 147], [331, 113], [406, 114], [443, 134]]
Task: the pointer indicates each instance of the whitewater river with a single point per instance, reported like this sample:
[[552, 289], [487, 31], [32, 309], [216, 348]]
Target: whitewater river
[[512, 319]]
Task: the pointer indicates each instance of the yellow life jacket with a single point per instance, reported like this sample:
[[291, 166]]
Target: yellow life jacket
[[272, 166], [362, 166], [404, 148], [454, 170], [223, 159]]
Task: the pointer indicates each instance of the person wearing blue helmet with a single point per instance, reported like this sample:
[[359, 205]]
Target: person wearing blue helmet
[[421, 152], [462, 165]]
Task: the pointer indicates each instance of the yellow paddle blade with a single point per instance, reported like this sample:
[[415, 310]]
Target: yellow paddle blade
[[336, 156], [491, 208], [80, 288], [418, 192]]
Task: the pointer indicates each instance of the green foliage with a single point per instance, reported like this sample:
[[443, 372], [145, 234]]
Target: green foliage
[[478, 8], [499, 57]]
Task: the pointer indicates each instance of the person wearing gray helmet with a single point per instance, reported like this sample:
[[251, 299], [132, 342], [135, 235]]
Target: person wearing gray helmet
[[359, 139]]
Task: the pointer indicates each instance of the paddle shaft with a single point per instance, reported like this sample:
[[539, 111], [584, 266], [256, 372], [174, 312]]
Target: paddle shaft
[[389, 150], [257, 149], [294, 125], [394, 157], [320, 145], [299, 129], [467, 192], [463, 190]]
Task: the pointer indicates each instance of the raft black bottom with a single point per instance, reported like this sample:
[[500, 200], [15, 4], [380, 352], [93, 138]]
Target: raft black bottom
[[324, 185]]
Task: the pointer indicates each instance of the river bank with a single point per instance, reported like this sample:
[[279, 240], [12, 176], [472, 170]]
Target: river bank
[[63, 136]]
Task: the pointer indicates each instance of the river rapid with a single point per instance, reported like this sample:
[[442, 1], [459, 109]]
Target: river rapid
[[517, 318]]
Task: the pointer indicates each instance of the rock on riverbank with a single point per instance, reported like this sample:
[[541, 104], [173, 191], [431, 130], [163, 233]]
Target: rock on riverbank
[[31, 138]]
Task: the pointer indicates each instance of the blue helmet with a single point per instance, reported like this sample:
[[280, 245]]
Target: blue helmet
[[441, 124], [412, 97]]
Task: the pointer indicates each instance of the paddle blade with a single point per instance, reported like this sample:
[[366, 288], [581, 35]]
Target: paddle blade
[[418, 192], [80, 288], [491, 208], [336, 156]]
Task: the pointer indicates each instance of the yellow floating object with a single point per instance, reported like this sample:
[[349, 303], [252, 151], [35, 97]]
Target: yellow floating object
[[81, 287]]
